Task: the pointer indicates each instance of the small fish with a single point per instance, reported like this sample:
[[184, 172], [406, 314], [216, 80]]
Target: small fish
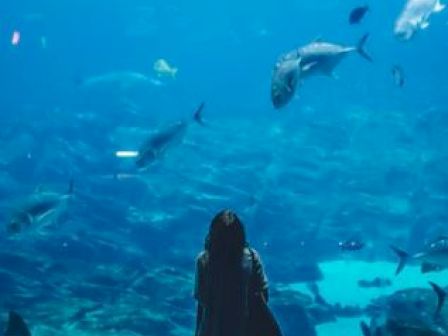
[[398, 75], [415, 16], [351, 245], [164, 69], [16, 326], [16, 37], [375, 283], [357, 14], [436, 253]]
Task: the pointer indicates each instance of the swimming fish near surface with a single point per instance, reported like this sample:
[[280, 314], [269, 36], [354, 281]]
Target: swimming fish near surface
[[415, 17]]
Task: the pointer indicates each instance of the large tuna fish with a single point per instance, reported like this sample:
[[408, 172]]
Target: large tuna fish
[[316, 58], [323, 57], [38, 211], [415, 16]]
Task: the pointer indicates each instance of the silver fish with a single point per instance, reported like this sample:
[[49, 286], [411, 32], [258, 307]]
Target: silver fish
[[40, 209], [436, 253], [285, 78], [313, 59], [323, 57], [156, 145], [415, 16]]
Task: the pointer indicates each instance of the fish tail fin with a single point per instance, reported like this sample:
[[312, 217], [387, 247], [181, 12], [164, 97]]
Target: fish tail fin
[[360, 48], [439, 7], [441, 296], [403, 255], [197, 117], [365, 329], [16, 325]]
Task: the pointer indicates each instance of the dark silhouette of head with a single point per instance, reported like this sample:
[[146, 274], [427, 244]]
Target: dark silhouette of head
[[225, 245], [226, 237]]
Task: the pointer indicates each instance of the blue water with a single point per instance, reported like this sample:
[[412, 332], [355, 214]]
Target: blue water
[[349, 158]]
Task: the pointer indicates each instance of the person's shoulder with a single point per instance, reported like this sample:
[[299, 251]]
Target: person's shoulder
[[202, 258], [250, 252]]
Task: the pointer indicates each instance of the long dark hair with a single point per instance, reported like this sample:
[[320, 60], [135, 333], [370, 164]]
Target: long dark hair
[[225, 245], [226, 237]]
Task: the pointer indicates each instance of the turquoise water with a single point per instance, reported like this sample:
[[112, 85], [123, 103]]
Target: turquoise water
[[354, 157]]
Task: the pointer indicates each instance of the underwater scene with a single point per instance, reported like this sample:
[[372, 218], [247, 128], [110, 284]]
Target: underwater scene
[[126, 126]]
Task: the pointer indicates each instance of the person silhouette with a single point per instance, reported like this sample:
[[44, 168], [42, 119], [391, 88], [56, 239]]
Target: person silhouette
[[229, 274]]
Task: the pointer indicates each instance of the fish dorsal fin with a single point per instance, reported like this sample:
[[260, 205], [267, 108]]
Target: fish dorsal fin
[[16, 326], [439, 7]]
